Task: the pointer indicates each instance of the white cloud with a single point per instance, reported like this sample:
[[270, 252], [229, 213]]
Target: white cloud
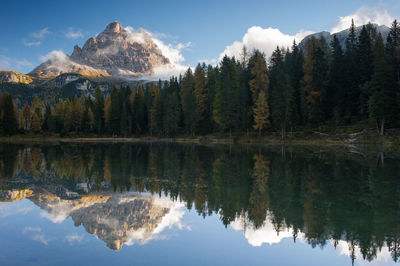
[[363, 15], [265, 40], [40, 238], [74, 238], [383, 256], [30, 43], [172, 51], [36, 235], [73, 33], [54, 55], [265, 234], [56, 218], [40, 34]]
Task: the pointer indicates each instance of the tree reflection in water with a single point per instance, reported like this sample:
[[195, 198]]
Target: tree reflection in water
[[352, 200]]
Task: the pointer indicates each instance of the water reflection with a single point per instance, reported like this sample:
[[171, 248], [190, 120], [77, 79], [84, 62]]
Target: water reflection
[[129, 193]]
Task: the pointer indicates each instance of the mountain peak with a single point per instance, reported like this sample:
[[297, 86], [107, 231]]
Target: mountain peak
[[114, 27], [114, 52]]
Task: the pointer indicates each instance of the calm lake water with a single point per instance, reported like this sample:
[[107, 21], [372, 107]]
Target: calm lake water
[[176, 204]]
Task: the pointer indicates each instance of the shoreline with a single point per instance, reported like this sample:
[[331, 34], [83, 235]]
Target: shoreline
[[319, 139]]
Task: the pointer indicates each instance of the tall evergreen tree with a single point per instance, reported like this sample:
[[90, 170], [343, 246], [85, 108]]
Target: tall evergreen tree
[[9, 117], [172, 116], [294, 68], [115, 111], [98, 110], [383, 103], [315, 80], [337, 81], [261, 113], [259, 83], [226, 100], [188, 102], [201, 94], [282, 103]]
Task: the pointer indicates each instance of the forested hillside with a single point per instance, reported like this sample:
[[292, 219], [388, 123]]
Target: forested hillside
[[322, 83]]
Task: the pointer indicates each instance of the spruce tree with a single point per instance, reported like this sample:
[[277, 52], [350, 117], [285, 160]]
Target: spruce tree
[[188, 102], [9, 120], [98, 110], [201, 95], [282, 103]]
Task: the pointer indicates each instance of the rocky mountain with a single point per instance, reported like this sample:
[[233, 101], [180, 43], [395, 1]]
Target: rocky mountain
[[115, 52], [342, 35]]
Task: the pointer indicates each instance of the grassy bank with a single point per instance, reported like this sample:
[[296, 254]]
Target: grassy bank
[[346, 137]]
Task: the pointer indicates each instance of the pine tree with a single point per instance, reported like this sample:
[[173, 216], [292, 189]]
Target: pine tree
[[282, 103], [9, 118], [92, 120], [27, 114], [107, 114], [337, 81], [98, 111], [188, 102], [77, 114], [115, 111], [383, 104], [36, 126], [154, 109], [259, 82], [352, 103], [261, 113], [226, 101], [315, 79], [37, 106], [172, 116], [294, 68], [139, 112], [124, 124], [201, 95]]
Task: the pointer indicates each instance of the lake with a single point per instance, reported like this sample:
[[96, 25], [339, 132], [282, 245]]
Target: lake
[[187, 204]]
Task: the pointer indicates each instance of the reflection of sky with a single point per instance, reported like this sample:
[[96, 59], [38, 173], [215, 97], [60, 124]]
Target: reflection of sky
[[182, 237]]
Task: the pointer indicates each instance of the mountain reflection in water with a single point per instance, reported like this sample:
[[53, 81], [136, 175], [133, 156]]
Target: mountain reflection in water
[[128, 193]]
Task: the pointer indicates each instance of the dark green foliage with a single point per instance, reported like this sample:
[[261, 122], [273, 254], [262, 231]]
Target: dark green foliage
[[98, 110], [8, 117], [226, 103], [171, 115]]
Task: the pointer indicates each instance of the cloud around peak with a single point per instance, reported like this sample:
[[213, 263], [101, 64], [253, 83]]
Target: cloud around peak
[[377, 15], [172, 51]]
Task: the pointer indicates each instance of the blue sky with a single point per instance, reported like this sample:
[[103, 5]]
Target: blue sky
[[197, 30]]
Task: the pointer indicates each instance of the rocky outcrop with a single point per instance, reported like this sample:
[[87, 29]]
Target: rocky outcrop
[[15, 195], [14, 77]]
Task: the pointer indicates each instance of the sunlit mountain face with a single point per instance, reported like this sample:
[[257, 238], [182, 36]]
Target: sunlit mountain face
[[323, 204]]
